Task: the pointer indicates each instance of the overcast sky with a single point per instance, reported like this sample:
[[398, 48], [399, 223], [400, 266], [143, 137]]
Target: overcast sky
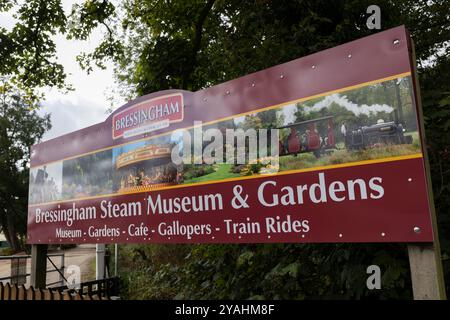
[[87, 104]]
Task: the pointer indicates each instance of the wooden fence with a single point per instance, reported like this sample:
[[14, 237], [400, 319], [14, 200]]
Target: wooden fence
[[93, 290]]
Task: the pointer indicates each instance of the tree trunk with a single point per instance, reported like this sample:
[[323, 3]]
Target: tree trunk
[[197, 42], [8, 229]]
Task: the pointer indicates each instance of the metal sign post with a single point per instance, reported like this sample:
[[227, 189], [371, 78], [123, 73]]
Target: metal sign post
[[99, 261]]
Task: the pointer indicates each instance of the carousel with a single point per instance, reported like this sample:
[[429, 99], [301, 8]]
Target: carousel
[[145, 168]]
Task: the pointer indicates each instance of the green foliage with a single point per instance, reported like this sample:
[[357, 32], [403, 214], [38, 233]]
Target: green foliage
[[20, 127], [86, 17], [252, 168], [215, 172], [195, 171], [93, 172], [28, 63], [435, 84], [269, 271], [28, 50]]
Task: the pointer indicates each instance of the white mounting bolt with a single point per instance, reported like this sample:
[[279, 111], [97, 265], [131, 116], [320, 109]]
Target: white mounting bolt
[[349, 56], [253, 84], [228, 92], [417, 230], [281, 76], [409, 179], [396, 41], [340, 235], [313, 66], [383, 234]]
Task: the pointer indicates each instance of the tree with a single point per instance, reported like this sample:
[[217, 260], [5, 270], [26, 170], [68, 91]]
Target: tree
[[194, 44], [28, 51], [20, 127], [28, 64]]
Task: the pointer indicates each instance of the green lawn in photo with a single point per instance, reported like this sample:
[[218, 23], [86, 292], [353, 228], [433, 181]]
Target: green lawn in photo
[[222, 171]]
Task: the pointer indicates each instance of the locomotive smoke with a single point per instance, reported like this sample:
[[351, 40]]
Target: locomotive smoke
[[350, 106]]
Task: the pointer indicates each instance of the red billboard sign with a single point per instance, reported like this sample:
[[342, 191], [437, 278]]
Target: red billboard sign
[[147, 116], [338, 158]]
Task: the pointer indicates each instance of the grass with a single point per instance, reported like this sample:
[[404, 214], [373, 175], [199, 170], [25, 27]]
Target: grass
[[222, 172], [308, 160]]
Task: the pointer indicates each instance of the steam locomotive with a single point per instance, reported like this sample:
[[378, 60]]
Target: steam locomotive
[[305, 136], [381, 133]]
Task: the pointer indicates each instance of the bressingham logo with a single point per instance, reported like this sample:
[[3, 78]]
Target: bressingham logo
[[148, 116]]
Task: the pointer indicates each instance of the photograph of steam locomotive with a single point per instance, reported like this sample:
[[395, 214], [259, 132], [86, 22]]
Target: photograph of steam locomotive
[[381, 133], [370, 122]]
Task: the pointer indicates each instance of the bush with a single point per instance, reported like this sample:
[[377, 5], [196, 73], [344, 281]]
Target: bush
[[194, 171], [7, 251], [264, 271], [237, 168]]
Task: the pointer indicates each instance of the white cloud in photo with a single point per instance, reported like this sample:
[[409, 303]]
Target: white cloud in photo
[[343, 101]]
